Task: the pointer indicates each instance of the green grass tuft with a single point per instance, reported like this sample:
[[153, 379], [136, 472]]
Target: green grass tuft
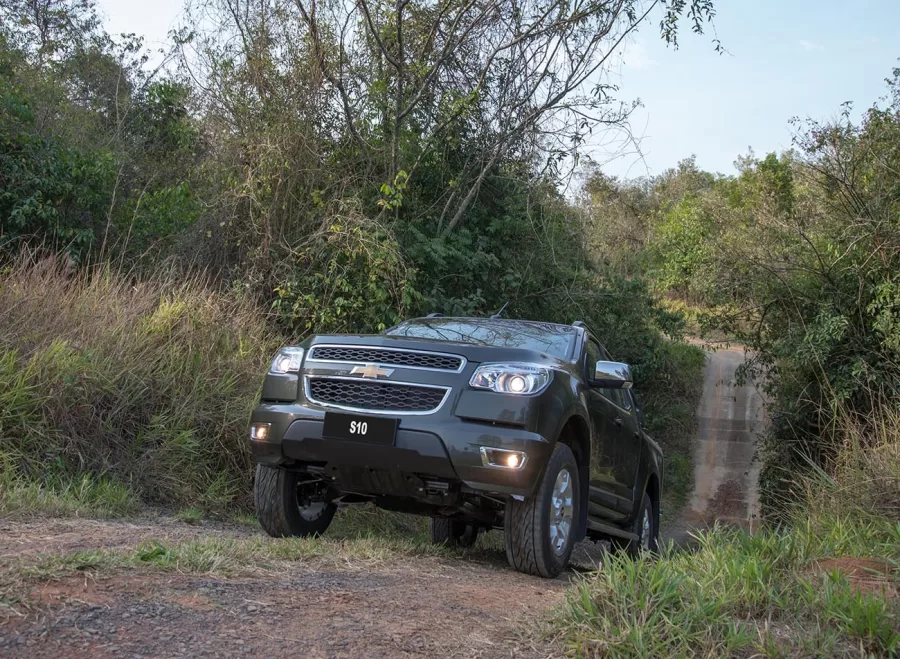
[[190, 515], [736, 594], [65, 496]]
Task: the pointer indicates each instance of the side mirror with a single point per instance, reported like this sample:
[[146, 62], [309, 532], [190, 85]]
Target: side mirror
[[612, 375]]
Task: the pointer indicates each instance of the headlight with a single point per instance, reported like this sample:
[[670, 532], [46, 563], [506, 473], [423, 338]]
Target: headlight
[[287, 361], [514, 378]]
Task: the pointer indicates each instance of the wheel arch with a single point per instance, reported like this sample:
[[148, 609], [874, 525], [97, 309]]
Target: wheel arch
[[576, 434], [651, 483]]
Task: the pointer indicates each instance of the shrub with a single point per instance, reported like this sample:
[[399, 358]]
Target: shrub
[[150, 383], [351, 277]]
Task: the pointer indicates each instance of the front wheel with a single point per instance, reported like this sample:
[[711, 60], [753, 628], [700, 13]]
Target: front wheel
[[288, 506], [539, 532]]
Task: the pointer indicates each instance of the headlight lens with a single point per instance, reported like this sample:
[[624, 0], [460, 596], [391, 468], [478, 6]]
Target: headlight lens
[[513, 378], [287, 361]]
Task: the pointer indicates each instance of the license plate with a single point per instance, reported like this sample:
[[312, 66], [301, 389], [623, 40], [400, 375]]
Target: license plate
[[356, 428]]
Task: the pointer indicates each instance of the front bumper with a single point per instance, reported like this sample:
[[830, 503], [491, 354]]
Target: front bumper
[[448, 448]]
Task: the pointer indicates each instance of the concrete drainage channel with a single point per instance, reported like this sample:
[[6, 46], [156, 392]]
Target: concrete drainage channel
[[726, 472]]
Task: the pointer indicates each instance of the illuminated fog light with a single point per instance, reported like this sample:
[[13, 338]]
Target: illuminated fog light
[[259, 432], [503, 458]]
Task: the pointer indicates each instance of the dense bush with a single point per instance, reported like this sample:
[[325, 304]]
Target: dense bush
[[148, 384], [49, 191]]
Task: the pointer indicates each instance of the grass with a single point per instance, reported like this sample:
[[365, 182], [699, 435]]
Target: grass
[[827, 583], [62, 496], [679, 482], [147, 384], [232, 556], [190, 516], [361, 538], [243, 518], [739, 595]]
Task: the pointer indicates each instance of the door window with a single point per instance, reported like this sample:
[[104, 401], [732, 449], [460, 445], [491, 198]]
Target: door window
[[593, 354], [620, 397]]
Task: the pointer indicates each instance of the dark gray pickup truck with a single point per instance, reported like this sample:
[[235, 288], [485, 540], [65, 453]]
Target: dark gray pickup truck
[[477, 423]]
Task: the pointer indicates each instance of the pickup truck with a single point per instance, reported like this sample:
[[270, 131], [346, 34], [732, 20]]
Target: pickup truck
[[476, 423]]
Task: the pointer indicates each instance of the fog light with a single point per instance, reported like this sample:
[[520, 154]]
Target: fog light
[[259, 432], [503, 458]]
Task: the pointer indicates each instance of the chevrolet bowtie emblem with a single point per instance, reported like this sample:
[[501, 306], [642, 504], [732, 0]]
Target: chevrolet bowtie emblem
[[372, 371]]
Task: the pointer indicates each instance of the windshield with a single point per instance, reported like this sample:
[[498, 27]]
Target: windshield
[[542, 337]]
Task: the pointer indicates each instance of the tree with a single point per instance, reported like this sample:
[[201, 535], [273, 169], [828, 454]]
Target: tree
[[411, 81]]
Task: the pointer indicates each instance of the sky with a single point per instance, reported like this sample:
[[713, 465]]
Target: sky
[[784, 59]]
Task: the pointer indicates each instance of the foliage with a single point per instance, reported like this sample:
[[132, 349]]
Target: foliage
[[349, 190], [355, 278], [796, 258], [826, 340], [681, 246], [48, 191], [826, 584], [148, 386]]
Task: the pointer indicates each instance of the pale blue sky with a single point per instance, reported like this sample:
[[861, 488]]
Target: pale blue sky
[[785, 58]]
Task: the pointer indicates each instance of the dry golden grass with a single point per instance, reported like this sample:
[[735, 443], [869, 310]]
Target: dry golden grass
[[146, 383]]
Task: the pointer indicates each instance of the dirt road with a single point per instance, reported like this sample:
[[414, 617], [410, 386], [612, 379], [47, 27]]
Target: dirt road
[[338, 605], [333, 604]]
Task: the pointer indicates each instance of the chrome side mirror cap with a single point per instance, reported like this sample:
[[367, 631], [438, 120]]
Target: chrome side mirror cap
[[612, 375]]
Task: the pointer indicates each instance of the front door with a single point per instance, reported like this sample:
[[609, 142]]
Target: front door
[[608, 498], [627, 447]]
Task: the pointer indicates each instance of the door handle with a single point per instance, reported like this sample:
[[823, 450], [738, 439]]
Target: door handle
[[618, 422]]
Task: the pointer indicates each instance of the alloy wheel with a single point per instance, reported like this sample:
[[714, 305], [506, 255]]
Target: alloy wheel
[[561, 512]]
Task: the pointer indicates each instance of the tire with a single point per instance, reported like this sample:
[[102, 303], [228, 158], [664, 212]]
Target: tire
[[528, 524], [645, 527], [276, 494], [452, 533]]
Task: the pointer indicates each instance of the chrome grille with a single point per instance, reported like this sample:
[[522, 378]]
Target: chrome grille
[[374, 396], [368, 355]]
